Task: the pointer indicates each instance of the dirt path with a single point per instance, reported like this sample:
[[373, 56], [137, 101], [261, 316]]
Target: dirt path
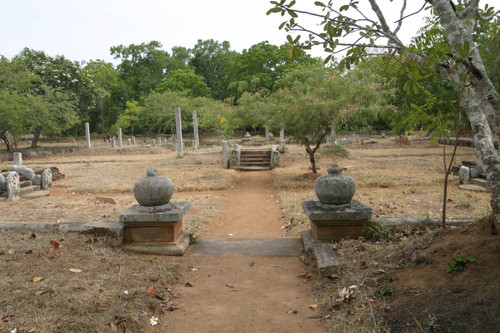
[[233, 293], [250, 211]]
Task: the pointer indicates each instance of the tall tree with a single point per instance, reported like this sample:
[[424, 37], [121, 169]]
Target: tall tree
[[370, 31], [211, 61], [143, 67]]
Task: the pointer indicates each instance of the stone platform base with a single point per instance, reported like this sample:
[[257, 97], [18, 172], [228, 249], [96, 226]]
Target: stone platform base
[[163, 248]]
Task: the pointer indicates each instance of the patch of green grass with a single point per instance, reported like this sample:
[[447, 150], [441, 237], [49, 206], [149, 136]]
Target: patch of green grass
[[460, 263], [376, 231]]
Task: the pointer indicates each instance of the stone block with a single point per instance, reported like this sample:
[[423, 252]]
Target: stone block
[[28, 173], [326, 261], [170, 212], [161, 248], [352, 211], [46, 179]]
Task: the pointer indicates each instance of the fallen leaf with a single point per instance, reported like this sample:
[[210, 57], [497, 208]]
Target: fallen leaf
[[11, 251], [150, 291], [187, 284], [28, 252], [33, 236], [229, 285], [54, 244], [108, 242], [153, 279], [333, 276], [313, 306], [37, 278], [25, 232], [75, 270], [292, 312]]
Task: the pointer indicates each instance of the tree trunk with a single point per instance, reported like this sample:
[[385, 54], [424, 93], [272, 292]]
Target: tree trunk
[[36, 137], [7, 140], [481, 101], [311, 153]]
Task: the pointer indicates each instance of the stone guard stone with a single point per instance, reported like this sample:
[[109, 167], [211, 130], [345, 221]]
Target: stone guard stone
[[353, 211], [170, 212]]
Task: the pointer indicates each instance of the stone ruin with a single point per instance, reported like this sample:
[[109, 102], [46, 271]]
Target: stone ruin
[[154, 226], [333, 217], [20, 180]]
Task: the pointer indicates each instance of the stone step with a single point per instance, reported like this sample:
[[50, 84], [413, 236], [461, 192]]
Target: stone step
[[35, 194], [264, 247], [263, 164], [25, 183], [28, 189], [253, 168]]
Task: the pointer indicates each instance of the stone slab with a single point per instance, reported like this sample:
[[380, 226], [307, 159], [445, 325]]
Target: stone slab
[[326, 261], [353, 211], [170, 212], [161, 248], [259, 247], [35, 194], [472, 187], [307, 240]]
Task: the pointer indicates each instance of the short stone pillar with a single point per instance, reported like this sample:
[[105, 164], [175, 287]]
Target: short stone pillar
[[129, 142], [120, 139], [87, 135], [196, 141], [154, 226], [133, 140], [46, 179], [336, 215], [12, 185], [463, 175], [282, 137], [178, 129], [159, 141], [225, 155], [267, 135], [113, 142], [153, 142], [18, 158]]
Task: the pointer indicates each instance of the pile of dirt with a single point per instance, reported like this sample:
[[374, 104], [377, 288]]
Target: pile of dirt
[[428, 296]]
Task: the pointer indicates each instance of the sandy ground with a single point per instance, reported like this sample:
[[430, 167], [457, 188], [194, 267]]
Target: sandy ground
[[232, 293]]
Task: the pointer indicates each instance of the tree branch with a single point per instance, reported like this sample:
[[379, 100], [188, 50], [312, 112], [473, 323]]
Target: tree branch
[[400, 17], [469, 9]]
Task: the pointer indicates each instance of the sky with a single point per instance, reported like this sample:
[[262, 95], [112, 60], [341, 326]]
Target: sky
[[85, 30]]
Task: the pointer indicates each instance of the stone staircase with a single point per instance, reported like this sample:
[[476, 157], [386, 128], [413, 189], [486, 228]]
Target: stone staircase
[[27, 189], [255, 159]]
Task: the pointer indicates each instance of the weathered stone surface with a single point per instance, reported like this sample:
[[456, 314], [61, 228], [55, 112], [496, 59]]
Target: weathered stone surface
[[23, 171], [46, 179], [161, 248], [12, 185], [326, 261], [172, 211], [472, 187], [18, 158], [234, 159], [335, 188], [225, 155], [37, 180], [153, 190], [275, 157], [353, 211], [463, 175], [3, 186]]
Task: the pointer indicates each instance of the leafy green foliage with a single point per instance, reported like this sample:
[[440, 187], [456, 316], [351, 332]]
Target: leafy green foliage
[[377, 232], [459, 263]]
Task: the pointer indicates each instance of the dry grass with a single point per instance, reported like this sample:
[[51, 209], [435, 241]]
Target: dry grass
[[39, 293], [395, 181]]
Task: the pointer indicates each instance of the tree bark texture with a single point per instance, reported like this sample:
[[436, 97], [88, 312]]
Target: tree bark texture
[[481, 100]]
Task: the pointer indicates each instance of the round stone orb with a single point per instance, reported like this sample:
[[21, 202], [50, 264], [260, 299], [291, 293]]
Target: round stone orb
[[153, 190], [335, 188]]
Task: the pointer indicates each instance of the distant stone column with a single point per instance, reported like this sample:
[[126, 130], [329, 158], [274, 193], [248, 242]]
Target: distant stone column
[[159, 141], [267, 135], [18, 158], [225, 154], [120, 139], [129, 142], [178, 129], [133, 140], [87, 134], [153, 142], [113, 142], [196, 142], [282, 136]]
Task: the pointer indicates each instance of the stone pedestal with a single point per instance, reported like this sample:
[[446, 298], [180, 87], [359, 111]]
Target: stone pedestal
[[155, 229], [333, 222]]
